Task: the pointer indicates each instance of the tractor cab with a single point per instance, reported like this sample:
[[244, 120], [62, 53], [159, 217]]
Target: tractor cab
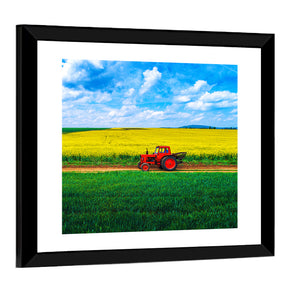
[[162, 149]]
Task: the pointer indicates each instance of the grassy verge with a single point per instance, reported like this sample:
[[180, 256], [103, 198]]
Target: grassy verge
[[138, 201], [130, 160]]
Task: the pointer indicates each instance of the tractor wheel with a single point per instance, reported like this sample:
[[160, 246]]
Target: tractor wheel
[[139, 165], [169, 163], [162, 162], [145, 167]]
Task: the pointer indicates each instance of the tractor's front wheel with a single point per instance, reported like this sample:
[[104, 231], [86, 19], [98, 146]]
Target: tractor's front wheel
[[162, 162], [139, 165], [169, 163], [145, 167]]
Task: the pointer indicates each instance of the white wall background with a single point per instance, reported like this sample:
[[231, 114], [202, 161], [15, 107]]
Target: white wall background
[[255, 278]]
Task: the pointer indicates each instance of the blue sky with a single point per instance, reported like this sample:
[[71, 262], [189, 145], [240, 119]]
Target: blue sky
[[148, 94]]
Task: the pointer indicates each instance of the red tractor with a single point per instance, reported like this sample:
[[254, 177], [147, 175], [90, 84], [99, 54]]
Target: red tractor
[[161, 157]]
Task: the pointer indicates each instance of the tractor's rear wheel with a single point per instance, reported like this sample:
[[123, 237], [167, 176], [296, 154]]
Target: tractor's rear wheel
[[169, 163], [145, 167]]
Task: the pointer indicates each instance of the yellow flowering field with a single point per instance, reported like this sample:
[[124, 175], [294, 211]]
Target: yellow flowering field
[[124, 145]]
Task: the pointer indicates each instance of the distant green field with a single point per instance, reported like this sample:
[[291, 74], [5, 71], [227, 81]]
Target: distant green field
[[145, 201], [69, 130], [132, 160]]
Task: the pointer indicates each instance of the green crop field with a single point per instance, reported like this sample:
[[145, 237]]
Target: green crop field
[[123, 201], [70, 130]]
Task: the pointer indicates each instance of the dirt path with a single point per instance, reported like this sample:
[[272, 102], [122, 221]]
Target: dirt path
[[181, 168]]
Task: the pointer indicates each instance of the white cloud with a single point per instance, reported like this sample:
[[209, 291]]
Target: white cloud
[[124, 111], [67, 106], [70, 93], [198, 117], [97, 63], [82, 95], [200, 105], [100, 97], [71, 72], [150, 78], [218, 96], [218, 116], [99, 117], [226, 103], [220, 99], [129, 92], [129, 101], [128, 115], [156, 114], [183, 98], [231, 118], [172, 108], [183, 115], [199, 85], [149, 114]]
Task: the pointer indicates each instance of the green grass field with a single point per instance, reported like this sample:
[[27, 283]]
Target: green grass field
[[145, 201], [70, 130]]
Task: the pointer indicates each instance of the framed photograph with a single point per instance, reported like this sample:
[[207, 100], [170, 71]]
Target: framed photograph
[[139, 145]]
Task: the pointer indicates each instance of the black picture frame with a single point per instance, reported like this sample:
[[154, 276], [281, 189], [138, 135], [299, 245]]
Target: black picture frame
[[27, 153]]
